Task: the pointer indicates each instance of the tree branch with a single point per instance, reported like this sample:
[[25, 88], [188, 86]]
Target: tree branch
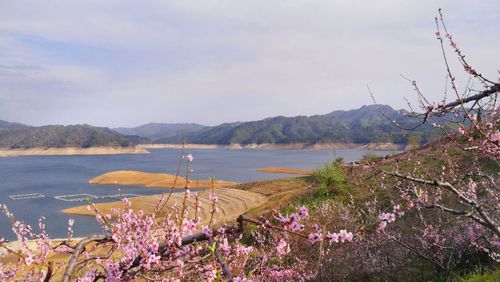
[[76, 253], [488, 222], [223, 264]]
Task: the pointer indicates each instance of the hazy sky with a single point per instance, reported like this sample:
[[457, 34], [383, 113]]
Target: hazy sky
[[125, 63]]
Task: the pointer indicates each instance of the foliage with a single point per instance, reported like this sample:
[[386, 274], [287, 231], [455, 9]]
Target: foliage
[[64, 136], [370, 158], [330, 175]]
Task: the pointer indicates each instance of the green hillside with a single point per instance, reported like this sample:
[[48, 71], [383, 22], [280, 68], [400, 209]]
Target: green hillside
[[155, 131], [363, 125], [21, 136]]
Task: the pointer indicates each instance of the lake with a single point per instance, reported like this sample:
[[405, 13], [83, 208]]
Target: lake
[[33, 176]]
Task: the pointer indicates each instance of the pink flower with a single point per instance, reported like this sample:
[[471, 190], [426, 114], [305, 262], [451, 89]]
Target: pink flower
[[341, 237], [333, 237], [396, 209], [303, 212], [495, 137], [212, 197], [382, 225], [314, 237], [189, 157], [294, 226], [461, 130], [207, 230], [282, 248], [386, 216], [345, 236], [453, 44]]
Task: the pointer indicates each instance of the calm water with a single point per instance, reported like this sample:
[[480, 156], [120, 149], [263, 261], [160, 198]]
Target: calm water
[[61, 175]]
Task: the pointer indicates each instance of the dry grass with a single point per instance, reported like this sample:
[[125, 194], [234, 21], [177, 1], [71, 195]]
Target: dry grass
[[279, 192], [252, 198], [231, 203], [286, 170], [162, 180]]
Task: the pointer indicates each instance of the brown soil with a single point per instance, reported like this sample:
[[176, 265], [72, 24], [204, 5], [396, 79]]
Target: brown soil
[[161, 180], [286, 170], [231, 203], [71, 151], [280, 192]]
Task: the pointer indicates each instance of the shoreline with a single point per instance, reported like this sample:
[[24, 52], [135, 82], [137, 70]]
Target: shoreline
[[154, 180], [72, 151], [286, 170], [269, 146]]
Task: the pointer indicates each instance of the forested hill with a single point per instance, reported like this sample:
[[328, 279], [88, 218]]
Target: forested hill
[[363, 125], [155, 131], [15, 135], [5, 125]]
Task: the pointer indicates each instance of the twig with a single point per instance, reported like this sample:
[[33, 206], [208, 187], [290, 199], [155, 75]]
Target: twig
[[488, 222], [223, 264]]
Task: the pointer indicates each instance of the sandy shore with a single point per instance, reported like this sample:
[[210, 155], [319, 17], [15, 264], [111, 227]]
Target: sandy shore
[[231, 202], [285, 170], [162, 180], [71, 151], [294, 146], [178, 146]]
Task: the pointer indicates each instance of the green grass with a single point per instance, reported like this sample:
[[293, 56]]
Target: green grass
[[331, 183], [477, 276], [370, 158], [489, 165], [454, 152], [329, 175]]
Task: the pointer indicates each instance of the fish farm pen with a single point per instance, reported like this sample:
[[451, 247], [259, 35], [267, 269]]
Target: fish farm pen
[[89, 197], [26, 196]]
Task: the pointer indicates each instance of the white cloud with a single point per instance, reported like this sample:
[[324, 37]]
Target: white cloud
[[127, 62]]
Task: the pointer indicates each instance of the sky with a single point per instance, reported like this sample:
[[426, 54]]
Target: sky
[[125, 63]]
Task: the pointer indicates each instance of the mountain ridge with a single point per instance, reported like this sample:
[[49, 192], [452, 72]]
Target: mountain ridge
[[357, 126], [363, 125], [19, 136], [156, 131]]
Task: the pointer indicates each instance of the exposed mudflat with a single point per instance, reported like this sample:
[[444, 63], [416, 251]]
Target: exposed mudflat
[[292, 146], [286, 170], [157, 180], [71, 151], [231, 203]]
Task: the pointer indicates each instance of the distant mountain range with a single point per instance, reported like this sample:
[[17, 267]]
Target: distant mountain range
[[158, 131], [360, 126], [16, 135]]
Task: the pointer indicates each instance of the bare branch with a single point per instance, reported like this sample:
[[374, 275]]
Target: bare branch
[[223, 264], [488, 222], [76, 253]]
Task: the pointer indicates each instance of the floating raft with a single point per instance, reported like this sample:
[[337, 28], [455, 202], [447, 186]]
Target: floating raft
[[84, 197], [26, 196]]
